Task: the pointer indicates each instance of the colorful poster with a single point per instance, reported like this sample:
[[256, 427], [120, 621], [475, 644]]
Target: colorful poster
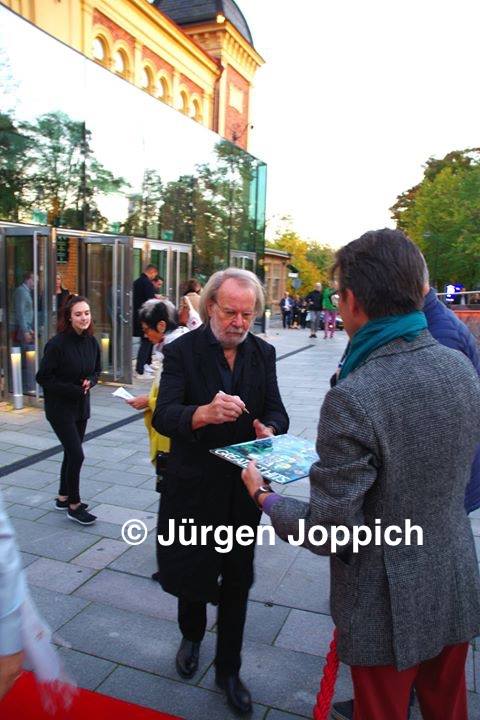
[[280, 459]]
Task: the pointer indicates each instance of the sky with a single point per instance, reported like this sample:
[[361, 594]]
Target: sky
[[354, 97]]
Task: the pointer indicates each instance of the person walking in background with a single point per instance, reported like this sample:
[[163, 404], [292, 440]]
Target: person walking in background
[[158, 286], [192, 292], [70, 367], [296, 312], [314, 302], [286, 307], [329, 312], [143, 290], [23, 306], [450, 331], [61, 294]]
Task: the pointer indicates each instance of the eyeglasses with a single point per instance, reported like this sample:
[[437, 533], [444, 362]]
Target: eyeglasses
[[231, 314]]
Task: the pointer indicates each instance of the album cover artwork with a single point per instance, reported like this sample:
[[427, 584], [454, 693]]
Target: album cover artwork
[[281, 459]]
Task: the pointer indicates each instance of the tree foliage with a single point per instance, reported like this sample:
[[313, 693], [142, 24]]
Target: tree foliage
[[48, 166], [312, 260], [442, 215]]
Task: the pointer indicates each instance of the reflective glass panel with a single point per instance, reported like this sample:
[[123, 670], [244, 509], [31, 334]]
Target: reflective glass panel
[[115, 159]]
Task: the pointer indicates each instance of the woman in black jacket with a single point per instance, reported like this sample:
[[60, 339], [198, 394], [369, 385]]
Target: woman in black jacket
[[69, 369]]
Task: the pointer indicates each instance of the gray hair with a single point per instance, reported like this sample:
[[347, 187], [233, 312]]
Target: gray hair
[[242, 277]]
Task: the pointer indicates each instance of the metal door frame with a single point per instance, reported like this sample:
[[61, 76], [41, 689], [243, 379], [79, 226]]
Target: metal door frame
[[126, 318], [13, 229]]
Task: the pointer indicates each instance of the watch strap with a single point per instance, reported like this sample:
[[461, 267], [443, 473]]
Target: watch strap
[[261, 491]]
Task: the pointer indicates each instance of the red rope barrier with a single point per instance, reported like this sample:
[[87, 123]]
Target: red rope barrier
[[327, 683]]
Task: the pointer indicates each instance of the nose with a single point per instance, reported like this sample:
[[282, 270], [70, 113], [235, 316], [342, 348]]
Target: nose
[[238, 320]]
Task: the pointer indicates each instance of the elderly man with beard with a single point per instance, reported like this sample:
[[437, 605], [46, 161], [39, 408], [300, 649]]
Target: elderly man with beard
[[218, 387]]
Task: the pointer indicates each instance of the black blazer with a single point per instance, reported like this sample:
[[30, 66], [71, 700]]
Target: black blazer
[[198, 484], [68, 359], [143, 290]]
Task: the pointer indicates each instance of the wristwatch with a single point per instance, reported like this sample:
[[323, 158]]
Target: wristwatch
[[260, 491]]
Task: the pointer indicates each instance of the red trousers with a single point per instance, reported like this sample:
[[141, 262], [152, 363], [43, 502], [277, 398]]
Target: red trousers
[[382, 692]]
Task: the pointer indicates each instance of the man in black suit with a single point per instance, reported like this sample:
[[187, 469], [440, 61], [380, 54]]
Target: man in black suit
[[143, 290], [218, 387]]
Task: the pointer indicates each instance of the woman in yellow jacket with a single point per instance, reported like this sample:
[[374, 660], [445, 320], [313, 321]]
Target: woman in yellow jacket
[[160, 324]]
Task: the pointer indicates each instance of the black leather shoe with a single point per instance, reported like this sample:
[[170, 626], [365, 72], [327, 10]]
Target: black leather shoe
[[187, 658], [342, 710], [237, 694]]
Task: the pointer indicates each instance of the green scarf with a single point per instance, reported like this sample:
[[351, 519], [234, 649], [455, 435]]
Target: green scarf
[[379, 332]]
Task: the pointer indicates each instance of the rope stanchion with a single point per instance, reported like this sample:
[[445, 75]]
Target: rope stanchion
[[321, 708]]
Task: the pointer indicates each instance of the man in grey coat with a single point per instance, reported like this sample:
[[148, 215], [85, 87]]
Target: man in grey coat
[[388, 457]]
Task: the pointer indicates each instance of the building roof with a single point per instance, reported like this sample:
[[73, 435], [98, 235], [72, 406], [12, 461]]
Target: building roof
[[191, 12]]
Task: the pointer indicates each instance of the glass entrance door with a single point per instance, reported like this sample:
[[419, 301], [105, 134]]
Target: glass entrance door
[[244, 260], [107, 283], [27, 314]]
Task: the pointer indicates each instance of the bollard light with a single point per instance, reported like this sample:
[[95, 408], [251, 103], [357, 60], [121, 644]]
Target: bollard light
[[105, 345], [268, 313], [30, 356], [16, 361]]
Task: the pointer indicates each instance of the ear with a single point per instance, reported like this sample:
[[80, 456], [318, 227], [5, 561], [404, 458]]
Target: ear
[[161, 327], [210, 305]]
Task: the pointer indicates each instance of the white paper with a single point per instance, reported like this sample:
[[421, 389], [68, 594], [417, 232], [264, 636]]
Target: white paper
[[122, 393]]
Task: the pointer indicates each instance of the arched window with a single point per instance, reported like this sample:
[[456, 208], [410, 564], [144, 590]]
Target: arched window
[[196, 110], [184, 103], [146, 79], [120, 63], [99, 50], [163, 91]]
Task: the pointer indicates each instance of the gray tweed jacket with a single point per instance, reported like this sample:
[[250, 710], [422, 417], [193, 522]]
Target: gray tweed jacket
[[396, 440]]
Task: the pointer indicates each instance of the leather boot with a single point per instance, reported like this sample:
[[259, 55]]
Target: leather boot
[[238, 697], [187, 658]]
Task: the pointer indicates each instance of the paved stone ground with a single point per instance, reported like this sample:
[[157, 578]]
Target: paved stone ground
[[118, 628]]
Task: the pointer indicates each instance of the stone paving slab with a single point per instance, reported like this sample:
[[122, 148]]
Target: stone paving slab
[[40, 539], [306, 632], [101, 554], [264, 621], [56, 608], [118, 515], [139, 560], [284, 679], [135, 594], [131, 638], [120, 477], [158, 693], [89, 671], [59, 576], [137, 498], [279, 715], [25, 512], [59, 520]]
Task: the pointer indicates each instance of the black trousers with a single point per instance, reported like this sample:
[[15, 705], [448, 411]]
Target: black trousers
[[286, 318], [231, 616], [144, 355], [71, 434]]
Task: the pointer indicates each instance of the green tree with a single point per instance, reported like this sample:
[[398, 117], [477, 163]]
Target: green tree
[[14, 163], [442, 215], [289, 241], [322, 256], [66, 178]]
